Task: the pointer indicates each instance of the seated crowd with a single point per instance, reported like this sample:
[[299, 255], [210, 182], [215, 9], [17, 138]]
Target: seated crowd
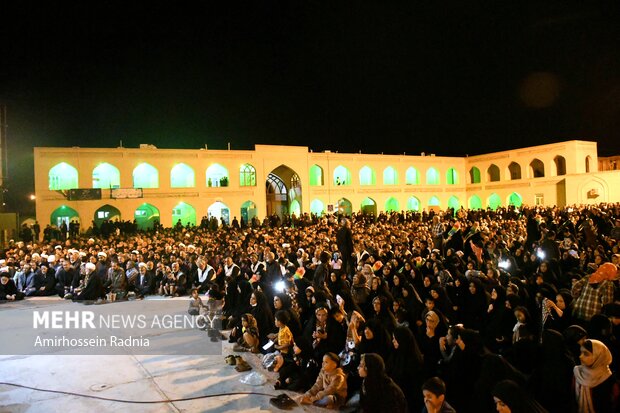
[[468, 311]]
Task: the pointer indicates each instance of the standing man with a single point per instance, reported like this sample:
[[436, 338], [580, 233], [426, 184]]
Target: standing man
[[437, 233], [344, 239], [36, 228]]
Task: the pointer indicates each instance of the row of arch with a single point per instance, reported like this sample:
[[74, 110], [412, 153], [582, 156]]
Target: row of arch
[[368, 176], [65, 176], [536, 169], [105, 175], [147, 214], [413, 203]]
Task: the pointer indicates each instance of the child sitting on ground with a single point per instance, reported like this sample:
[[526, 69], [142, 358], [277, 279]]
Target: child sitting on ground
[[330, 388], [195, 303], [249, 339], [284, 340]]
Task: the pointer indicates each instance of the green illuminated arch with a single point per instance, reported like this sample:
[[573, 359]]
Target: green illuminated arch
[[474, 175], [317, 207], [64, 214], [248, 211], [220, 211], [106, 176], [369, 206], [434, 201], [452, 176], [217, 175], [182, 176], [106, 213], [145, 216], [342, 176], [413, 204], [390, 176], [247, 175], [344, 206], [316, 175], [184, 212], [295, 208], [63, 176], [367, 176], [515, 199], [432, 176], [475, 202], [145, 176], [454, 203], [494, 201], [412, 176], [391, 204]]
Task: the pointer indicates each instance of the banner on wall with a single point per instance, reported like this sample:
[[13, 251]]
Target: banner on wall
[[84, 194], [126, 193]]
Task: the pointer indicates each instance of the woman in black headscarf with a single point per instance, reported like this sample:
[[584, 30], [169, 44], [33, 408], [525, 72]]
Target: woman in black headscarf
[[379, 393], [476, 306], [381, 312], [464, 369], [500, 321], [301, 373], [244, 292], [261, 310], [378, 288], [335, 283], [324, 332], [508, 394], [375, 339], [457, 294], [398, 281], [405, 366], [282, 302], [553, 374], [560, 317], [442, 302], [413, 302]]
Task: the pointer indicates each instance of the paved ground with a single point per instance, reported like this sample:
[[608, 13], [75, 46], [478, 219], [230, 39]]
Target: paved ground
[[126, 377]]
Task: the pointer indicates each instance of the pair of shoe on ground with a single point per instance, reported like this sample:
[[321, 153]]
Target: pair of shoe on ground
[[283, 402], [240, 364]]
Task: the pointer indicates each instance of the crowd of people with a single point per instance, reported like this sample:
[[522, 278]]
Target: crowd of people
[[511, 310]]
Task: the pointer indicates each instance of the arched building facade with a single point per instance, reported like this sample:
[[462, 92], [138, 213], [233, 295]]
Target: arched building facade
[[186, 184]]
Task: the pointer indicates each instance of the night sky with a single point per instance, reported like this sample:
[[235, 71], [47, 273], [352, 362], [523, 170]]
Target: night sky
[[445, 77]]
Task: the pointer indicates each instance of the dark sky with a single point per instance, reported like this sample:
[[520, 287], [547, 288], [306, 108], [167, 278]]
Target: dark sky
[[449, 77]]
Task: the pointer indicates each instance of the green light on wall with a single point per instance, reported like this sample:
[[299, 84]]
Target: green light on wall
[[494, 201], [62, 176], [432, 176], [434, 201], [182, 176], [392, 205], [145, 176], [316, 175], [475, 202], [413, 204], [106, 176], [390, 176], [367, 176], [317, 207]]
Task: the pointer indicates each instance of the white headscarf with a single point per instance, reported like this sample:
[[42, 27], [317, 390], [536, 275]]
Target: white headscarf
[[586, 378]]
